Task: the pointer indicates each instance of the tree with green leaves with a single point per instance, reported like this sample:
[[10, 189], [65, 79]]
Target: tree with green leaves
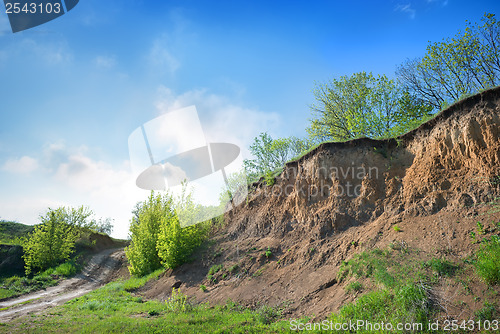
[[456, 67], [363, 105], [157, 237], [142, 254], [270, 154], [51, 242]]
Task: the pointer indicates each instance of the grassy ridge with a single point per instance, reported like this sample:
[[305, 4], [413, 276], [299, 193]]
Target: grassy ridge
[[12, 232]]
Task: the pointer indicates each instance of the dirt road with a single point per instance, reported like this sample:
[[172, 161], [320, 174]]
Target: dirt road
[[96, 273]]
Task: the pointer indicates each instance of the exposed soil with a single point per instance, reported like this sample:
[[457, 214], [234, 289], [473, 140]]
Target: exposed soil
[[435, 183], [101, 269], [285, 244]]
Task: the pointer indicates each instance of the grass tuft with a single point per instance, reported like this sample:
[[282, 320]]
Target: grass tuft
[[488, 262]]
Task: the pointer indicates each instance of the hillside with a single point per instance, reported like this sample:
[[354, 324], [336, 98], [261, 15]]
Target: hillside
[[10, 232], [411, 209]]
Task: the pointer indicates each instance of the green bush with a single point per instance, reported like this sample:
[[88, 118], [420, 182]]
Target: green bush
[[142, 253], [157, 238], [50, 243], [488, 261]]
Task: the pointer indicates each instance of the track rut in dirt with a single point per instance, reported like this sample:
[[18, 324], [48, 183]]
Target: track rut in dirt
[[100, 270]]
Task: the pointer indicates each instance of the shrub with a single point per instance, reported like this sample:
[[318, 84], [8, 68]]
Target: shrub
[[142, 253], [175, 243], [178, 302], [488, 262], [50, 243], [157, 236]]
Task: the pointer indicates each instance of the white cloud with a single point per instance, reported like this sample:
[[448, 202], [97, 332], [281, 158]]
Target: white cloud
[[72, 176], [75, 179], [105, 61], [406, 8], [26, 209], [221, 119], [51, 53], [160, 57], [23, 165], [442, 2]]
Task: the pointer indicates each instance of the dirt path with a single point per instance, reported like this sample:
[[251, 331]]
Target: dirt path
[[97, 272]]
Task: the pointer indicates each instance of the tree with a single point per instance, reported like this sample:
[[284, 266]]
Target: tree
[[362, 105], [51, 242], [144, 229], [271, 154], [157, 238], [102, 225], [457, 66]]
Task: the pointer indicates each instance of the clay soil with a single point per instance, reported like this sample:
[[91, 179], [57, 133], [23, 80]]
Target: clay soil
[[418, 196]]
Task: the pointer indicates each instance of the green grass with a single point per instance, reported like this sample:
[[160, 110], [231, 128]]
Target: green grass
[[404, 287], [135, 283], [215, 269], [11, 233], [16, 285], [354, 287], [488, 261], [369, 264], [111, 309], [441, 267], [408, 304], [487, 312]]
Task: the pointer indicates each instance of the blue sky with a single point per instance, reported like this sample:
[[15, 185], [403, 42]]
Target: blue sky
[[73, 90]]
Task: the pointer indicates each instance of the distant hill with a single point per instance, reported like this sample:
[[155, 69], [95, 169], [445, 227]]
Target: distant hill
[[11, 232]]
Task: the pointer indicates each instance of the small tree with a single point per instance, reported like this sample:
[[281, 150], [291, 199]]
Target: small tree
[[157, 238], [457, 66], [271, 154], [51, 242], [175, 243], [362, 105], [144, 229]]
